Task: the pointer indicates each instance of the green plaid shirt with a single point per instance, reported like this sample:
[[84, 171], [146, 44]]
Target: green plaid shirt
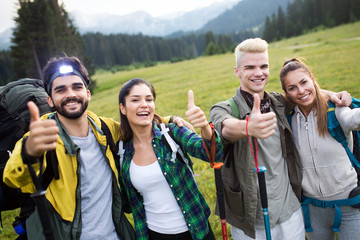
[[191, 202]]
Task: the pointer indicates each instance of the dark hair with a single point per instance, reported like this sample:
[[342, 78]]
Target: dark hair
[[53, 65], [320, 105], [125, 128]]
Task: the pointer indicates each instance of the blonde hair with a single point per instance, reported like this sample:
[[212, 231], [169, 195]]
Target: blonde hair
[[251, 45], [320, 104]]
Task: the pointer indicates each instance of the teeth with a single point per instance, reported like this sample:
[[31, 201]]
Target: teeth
[[143, 113], [71, 103], [305, 97]]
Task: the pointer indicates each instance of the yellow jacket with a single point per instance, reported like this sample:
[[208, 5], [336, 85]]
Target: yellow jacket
[[64, 194]]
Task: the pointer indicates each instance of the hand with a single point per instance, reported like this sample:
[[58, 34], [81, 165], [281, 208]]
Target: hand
[[43, 133], [197, 117], [181, 122], [261, 125], [341, 99]]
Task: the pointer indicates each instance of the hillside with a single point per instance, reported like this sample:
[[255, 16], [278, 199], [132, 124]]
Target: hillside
[[333, 55]]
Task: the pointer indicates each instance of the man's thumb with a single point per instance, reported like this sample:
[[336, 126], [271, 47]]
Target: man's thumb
[[34, 111], [191, 103], [256, 107]]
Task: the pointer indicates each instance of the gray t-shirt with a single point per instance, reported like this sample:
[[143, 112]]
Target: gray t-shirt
[[96, 190], [282, 201]]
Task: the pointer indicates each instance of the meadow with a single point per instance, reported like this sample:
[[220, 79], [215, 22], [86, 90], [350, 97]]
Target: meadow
[[332, 54]]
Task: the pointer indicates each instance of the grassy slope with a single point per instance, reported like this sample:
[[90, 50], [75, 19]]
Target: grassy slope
[[333, 55]]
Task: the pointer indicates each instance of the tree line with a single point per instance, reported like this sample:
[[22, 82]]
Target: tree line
[[123, 49], [304, 15]]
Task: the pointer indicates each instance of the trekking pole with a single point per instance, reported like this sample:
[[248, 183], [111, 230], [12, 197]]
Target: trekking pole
[[41, 204], [218, 180], [262, 185], [220, 197], [264, 201]]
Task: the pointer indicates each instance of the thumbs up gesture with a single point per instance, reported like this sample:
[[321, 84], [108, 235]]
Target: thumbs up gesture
[[261, 125], [197, 117], [43, 133]]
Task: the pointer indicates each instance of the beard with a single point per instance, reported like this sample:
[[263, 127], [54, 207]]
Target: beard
[[72, 115]]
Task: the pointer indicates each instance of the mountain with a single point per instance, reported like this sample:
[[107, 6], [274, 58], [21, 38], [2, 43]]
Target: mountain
[[5, 38], [144, 23], [245, 15], [226, 16]]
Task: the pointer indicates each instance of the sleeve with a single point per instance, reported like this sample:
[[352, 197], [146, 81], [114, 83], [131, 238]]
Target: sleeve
[[16, 173], [192, 143], [218, 113], [348, 118]]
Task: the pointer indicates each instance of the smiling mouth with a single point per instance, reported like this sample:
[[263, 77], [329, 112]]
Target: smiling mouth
[[143, 114], [257, 80], [304, 97], [71, 102]]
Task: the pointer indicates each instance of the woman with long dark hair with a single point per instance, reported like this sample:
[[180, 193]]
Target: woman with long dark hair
[[160, 185]]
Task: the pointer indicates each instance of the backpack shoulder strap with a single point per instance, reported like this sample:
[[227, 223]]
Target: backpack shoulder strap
[[234, 107], [52, 169], [289, 115], [168, 138], [109, 138], [336, 132]]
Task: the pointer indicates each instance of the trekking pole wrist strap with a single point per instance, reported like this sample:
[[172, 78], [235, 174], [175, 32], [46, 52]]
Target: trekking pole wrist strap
[[211, 153], [27, 159]]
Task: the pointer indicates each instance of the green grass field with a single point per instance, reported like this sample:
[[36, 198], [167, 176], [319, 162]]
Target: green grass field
[[333, 55]]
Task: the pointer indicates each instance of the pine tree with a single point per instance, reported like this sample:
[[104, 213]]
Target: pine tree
[[43, 30]]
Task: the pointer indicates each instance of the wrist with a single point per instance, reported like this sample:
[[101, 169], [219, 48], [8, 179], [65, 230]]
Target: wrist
[[25, 156]]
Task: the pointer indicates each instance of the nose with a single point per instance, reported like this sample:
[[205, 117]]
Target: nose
[[301, 89], [70, 93], [258, 72], [143, 103]]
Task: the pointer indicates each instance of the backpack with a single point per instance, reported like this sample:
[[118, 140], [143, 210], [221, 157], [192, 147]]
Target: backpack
[[337, 133], [14, 123]]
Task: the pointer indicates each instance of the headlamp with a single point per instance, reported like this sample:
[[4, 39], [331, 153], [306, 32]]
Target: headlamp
[[64, 70]]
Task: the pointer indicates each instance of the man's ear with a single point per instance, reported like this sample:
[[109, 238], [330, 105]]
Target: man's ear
[[122, 109], [236, 71], [89, 94], [49, 101]]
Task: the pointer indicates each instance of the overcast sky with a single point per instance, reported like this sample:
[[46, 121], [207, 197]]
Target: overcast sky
[[154, 7]]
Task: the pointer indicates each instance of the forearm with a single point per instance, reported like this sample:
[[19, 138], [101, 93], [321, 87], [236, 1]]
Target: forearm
[[233, 129]]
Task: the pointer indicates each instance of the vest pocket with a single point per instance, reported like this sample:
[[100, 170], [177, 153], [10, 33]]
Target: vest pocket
[[233, 198]]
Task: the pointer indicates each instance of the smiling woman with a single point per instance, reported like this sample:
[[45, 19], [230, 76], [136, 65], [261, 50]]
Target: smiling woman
[[328, 178], [161, 189]]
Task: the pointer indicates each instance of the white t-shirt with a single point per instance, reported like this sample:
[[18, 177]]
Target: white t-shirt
[[163, 214]]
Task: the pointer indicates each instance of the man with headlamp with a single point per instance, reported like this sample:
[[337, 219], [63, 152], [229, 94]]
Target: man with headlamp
[[85, 202]]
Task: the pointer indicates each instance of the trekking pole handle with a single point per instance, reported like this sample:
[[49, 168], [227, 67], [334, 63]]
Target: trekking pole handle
[[262, 186]]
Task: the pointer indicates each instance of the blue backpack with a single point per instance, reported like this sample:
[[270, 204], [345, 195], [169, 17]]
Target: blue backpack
[[336, 132]]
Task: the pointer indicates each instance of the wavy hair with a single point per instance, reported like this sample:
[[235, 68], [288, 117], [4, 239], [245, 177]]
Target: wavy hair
[[320, 104]]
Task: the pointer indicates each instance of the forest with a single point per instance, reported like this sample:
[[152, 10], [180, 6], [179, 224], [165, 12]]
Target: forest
[[35, 37]]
